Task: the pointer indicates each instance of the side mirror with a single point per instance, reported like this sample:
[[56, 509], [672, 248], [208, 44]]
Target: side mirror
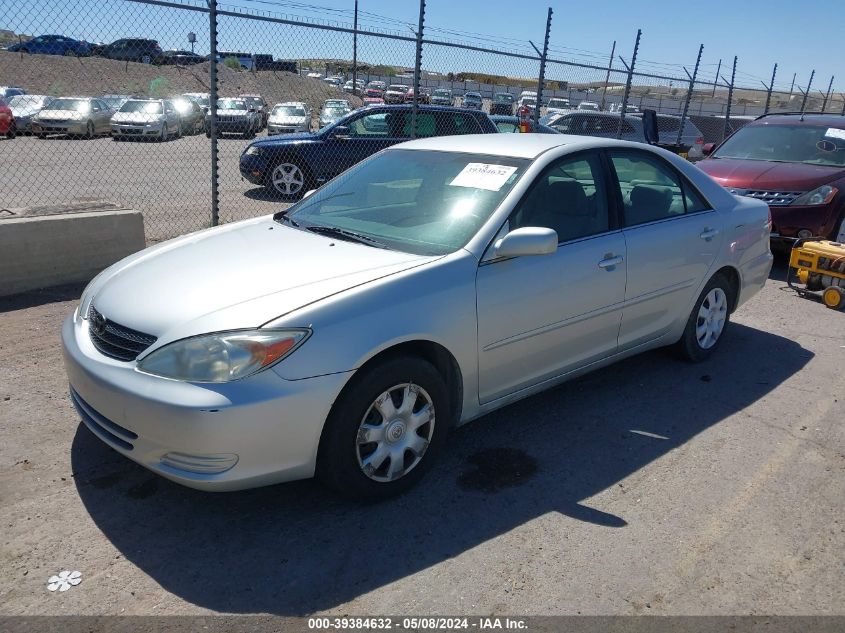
[[341, 132], [708, 148], [308, 193], [529, 240]]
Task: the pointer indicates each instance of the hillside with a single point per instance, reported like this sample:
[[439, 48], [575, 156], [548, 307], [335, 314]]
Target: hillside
[[65, 76]]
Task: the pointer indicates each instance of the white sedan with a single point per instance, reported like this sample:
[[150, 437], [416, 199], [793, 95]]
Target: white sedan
[[428, 285]]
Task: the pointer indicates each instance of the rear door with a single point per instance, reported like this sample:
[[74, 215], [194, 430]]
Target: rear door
[[672, 236]]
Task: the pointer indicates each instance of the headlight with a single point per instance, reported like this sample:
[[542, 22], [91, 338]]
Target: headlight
[[224, 356], [252, 150], [822, 195]]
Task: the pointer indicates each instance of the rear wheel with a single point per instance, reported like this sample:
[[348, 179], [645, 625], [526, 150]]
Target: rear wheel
[[385, 429], [89, 130], [834, 297], [146, 59], [12, 131], [707, 322], [164, 133]]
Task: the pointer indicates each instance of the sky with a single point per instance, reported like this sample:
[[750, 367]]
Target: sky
[[758, 32]]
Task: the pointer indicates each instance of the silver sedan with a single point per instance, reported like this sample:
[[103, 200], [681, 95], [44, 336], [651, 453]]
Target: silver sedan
[[430, 284]]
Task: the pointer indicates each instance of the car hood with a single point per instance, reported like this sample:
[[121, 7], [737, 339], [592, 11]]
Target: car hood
[[237, 276], [144, 117], [273, 140], [23, 112], [63, 115], [287, 120], [767, 175]]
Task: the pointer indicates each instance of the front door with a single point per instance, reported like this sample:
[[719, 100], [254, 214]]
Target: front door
[[542, 316]]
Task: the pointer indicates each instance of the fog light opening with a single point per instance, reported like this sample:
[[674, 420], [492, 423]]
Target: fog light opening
[[200, 464], [805, 233]]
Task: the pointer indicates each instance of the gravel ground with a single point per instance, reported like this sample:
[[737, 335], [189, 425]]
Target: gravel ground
[[651, 486]]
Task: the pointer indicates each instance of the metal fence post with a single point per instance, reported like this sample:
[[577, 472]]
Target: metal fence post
[[716, 82], [827, 95], [689, 93], [628, 83], [607, 76], [417, 70], [355, 51], [541, 81], [212, 111], [730, 98], [792, 85], [807, 92], [769, 89]]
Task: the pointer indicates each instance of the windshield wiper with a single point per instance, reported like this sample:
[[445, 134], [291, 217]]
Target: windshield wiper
[[343, 234], [282, 216]]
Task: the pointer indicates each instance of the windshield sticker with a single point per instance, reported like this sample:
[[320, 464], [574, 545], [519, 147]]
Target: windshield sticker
[[483, 176], [835, 132]]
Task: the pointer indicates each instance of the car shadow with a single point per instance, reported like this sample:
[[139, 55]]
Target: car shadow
[[41, 296], [264, 194], [297, 548]]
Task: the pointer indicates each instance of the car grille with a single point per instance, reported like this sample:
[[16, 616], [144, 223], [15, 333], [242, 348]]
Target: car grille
[[773, 198], [116, 341], [108, 431], [230, 119]]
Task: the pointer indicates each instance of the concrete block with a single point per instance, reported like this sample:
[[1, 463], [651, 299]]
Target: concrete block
[[51, 250]]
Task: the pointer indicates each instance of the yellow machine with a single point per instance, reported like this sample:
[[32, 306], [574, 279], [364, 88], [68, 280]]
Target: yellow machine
[[819, 266]]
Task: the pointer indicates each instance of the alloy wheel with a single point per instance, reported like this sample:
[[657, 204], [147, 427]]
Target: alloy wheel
[[395, 432], [712, 315], [288, 179]]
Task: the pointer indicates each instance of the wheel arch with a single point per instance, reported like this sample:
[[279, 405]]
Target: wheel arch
[[732, 275]]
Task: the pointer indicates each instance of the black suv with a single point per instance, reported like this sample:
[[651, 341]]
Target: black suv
[[291, 164], [135, 50]]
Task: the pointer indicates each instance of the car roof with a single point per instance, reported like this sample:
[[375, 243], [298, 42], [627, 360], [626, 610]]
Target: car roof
[[829, 120], [512, 145]]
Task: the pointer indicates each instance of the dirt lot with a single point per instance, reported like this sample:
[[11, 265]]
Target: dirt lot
[[649, 487]]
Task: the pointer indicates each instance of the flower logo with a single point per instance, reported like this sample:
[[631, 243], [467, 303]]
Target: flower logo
[[64, 580]]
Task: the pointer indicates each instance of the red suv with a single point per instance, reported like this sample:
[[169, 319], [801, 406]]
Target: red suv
[[794, 163]]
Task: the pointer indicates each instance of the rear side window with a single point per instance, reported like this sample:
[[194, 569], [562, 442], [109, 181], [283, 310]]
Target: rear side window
[[652, 190]]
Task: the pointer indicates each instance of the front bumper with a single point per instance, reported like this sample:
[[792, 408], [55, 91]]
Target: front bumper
[[253, 168], [273, 128], [235, 127], [136, 129], [58, 127], [268, 427], [820, 220]]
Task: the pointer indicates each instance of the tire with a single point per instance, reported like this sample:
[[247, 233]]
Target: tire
[[207, 133], [164, 133], [41, 136], [146, 59], [708, 320], [354, 466], [12, 132], [69, 53], [839, 233], [117, 138], [89, 130], [250, 133], [289, 179], [178, 131]]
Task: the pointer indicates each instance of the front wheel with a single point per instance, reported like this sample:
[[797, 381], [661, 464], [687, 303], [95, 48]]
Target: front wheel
[[707, 323], [164, 133], [89, 130], [385, 429], [12, 132], [289, 180]]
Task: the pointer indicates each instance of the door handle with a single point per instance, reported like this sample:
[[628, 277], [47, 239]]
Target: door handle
[[709, 234], [610, 261]]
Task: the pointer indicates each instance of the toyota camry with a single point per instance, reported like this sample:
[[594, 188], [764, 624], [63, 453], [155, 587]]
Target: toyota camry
[[428, 285]]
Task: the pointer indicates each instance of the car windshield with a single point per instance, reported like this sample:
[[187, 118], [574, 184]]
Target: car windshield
[[334, 111], [504, 98], [397, 88], [558, 103], [148, 107], [442, 93], [422, 202], [182, 105], [28, 101], [231, 104], [288, 111], [77, 105], [800, 143]]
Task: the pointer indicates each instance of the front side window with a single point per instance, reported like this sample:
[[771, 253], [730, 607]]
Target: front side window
[[423, 202], [569, 197], [651, 190]]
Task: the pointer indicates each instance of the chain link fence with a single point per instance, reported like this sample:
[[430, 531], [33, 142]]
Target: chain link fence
[[196, 113]]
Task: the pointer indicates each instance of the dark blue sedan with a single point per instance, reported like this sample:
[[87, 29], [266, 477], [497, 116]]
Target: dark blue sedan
[[289, 165], [53, 45]]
